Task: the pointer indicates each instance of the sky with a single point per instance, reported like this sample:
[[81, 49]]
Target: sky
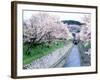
[[61, 15]]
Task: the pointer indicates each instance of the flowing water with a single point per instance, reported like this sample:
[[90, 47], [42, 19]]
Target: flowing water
[[73, 60]]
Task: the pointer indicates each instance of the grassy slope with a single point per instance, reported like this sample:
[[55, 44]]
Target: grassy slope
[[40, 51]]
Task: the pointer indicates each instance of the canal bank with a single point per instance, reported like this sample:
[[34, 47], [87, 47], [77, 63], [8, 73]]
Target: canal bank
[[85, 58], [53, 60]]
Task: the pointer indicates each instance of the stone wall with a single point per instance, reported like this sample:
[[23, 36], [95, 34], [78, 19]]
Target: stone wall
[[85, 57]]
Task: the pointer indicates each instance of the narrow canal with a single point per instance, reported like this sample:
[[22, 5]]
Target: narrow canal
[[73, 60]]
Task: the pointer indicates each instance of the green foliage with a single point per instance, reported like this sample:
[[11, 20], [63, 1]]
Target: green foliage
[[40, 50], [84, 46], [87, 45]]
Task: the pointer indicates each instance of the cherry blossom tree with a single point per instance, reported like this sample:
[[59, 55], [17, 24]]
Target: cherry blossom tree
[[41, 27], [85, 33]]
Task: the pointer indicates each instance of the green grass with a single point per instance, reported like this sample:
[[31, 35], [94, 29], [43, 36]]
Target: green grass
[[39, 51], [84, 45], [87, 45]]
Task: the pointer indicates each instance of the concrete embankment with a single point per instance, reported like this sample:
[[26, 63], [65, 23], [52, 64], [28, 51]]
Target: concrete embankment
[[85, 58], [54, 59]]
